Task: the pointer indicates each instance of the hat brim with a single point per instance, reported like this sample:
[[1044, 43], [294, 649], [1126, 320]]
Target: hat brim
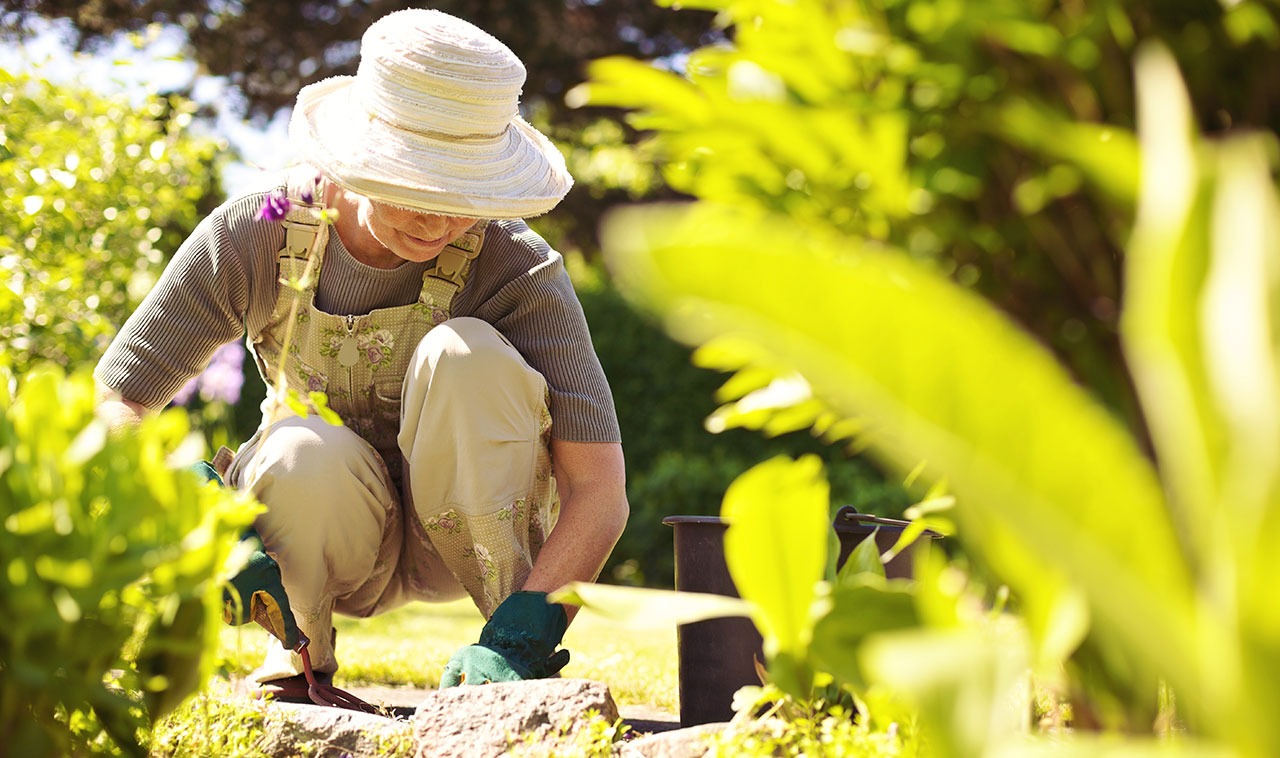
[[517, 174]]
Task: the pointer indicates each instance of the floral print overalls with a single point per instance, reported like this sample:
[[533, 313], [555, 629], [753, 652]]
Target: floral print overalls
[[359, 363]]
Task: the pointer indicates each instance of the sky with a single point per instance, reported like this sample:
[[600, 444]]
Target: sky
[[153, 62]]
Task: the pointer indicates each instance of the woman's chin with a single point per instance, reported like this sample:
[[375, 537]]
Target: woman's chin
[[417, 249]]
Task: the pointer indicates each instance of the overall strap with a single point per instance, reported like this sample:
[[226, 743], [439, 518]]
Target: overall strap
[[306, 232], [303, 227], [449, 276]]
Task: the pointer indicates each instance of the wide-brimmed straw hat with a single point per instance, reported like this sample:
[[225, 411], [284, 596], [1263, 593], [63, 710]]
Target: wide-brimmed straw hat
[[431, 122]]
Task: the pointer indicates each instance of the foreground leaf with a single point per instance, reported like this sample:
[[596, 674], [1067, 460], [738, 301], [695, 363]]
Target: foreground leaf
[[639, 606], [776, 546], [1050, 487]]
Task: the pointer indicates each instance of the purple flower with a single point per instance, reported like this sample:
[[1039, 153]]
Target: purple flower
[[221, 380], [308, 196], [275, 207], [224, 377], [184, 395]]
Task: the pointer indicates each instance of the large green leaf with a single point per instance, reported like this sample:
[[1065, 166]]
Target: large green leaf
[[1166, 267], [644, 607], [776, 547], [857, 611], [968, 684], [1049, 483], [1201, 331]]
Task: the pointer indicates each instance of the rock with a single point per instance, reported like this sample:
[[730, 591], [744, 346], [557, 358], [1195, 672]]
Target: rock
[[483, 720], [689, 742], [294, 729], [460, 721]]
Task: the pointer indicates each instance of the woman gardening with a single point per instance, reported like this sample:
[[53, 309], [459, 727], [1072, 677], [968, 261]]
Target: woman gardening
[[480, 452]]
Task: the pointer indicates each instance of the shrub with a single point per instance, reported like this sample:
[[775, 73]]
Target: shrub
[[111, 557], [99, 191], [991, 139]]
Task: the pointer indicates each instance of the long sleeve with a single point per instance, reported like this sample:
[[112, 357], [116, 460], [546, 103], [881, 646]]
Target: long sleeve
[[202, 301]]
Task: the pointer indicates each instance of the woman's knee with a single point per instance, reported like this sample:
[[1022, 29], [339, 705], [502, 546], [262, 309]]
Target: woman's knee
[[465, 351], [328, 502], [303, 452], [307, 469]]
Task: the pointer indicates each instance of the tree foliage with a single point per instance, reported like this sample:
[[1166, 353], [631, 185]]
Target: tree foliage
[[992, 139], [99, 192], [269, 50]]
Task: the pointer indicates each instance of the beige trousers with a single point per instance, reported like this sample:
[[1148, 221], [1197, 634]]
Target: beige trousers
[[476, 503]]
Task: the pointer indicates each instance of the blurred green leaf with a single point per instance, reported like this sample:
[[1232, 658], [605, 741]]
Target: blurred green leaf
[[1166, 266], [859, 610], [111, 556], [649, 607], [1108, 155], [320, 402], [864, 559], [633, 83], [775, 547], [940, 377], [1203, 334], [969, 685]]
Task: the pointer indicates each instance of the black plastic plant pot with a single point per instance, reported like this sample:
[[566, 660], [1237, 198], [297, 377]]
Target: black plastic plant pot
[[718, 657], [853, 527]]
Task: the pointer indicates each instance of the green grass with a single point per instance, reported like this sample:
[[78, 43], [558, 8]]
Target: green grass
[[214, 722], [410, 646]]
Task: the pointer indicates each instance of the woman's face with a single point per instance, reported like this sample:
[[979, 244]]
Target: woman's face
[[409, 235]]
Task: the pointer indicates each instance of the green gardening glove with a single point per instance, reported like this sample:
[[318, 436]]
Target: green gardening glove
[[518, 643], [206, 472], [257, 594]]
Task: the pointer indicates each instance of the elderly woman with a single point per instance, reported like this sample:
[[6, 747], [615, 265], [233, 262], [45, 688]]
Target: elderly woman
[[479, 452]]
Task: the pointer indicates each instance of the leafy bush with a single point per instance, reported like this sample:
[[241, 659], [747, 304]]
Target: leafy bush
[[785, 727], [112, 560], [1137, 588], [216, 722], [597, 739], [991, 139], [99, 191]]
